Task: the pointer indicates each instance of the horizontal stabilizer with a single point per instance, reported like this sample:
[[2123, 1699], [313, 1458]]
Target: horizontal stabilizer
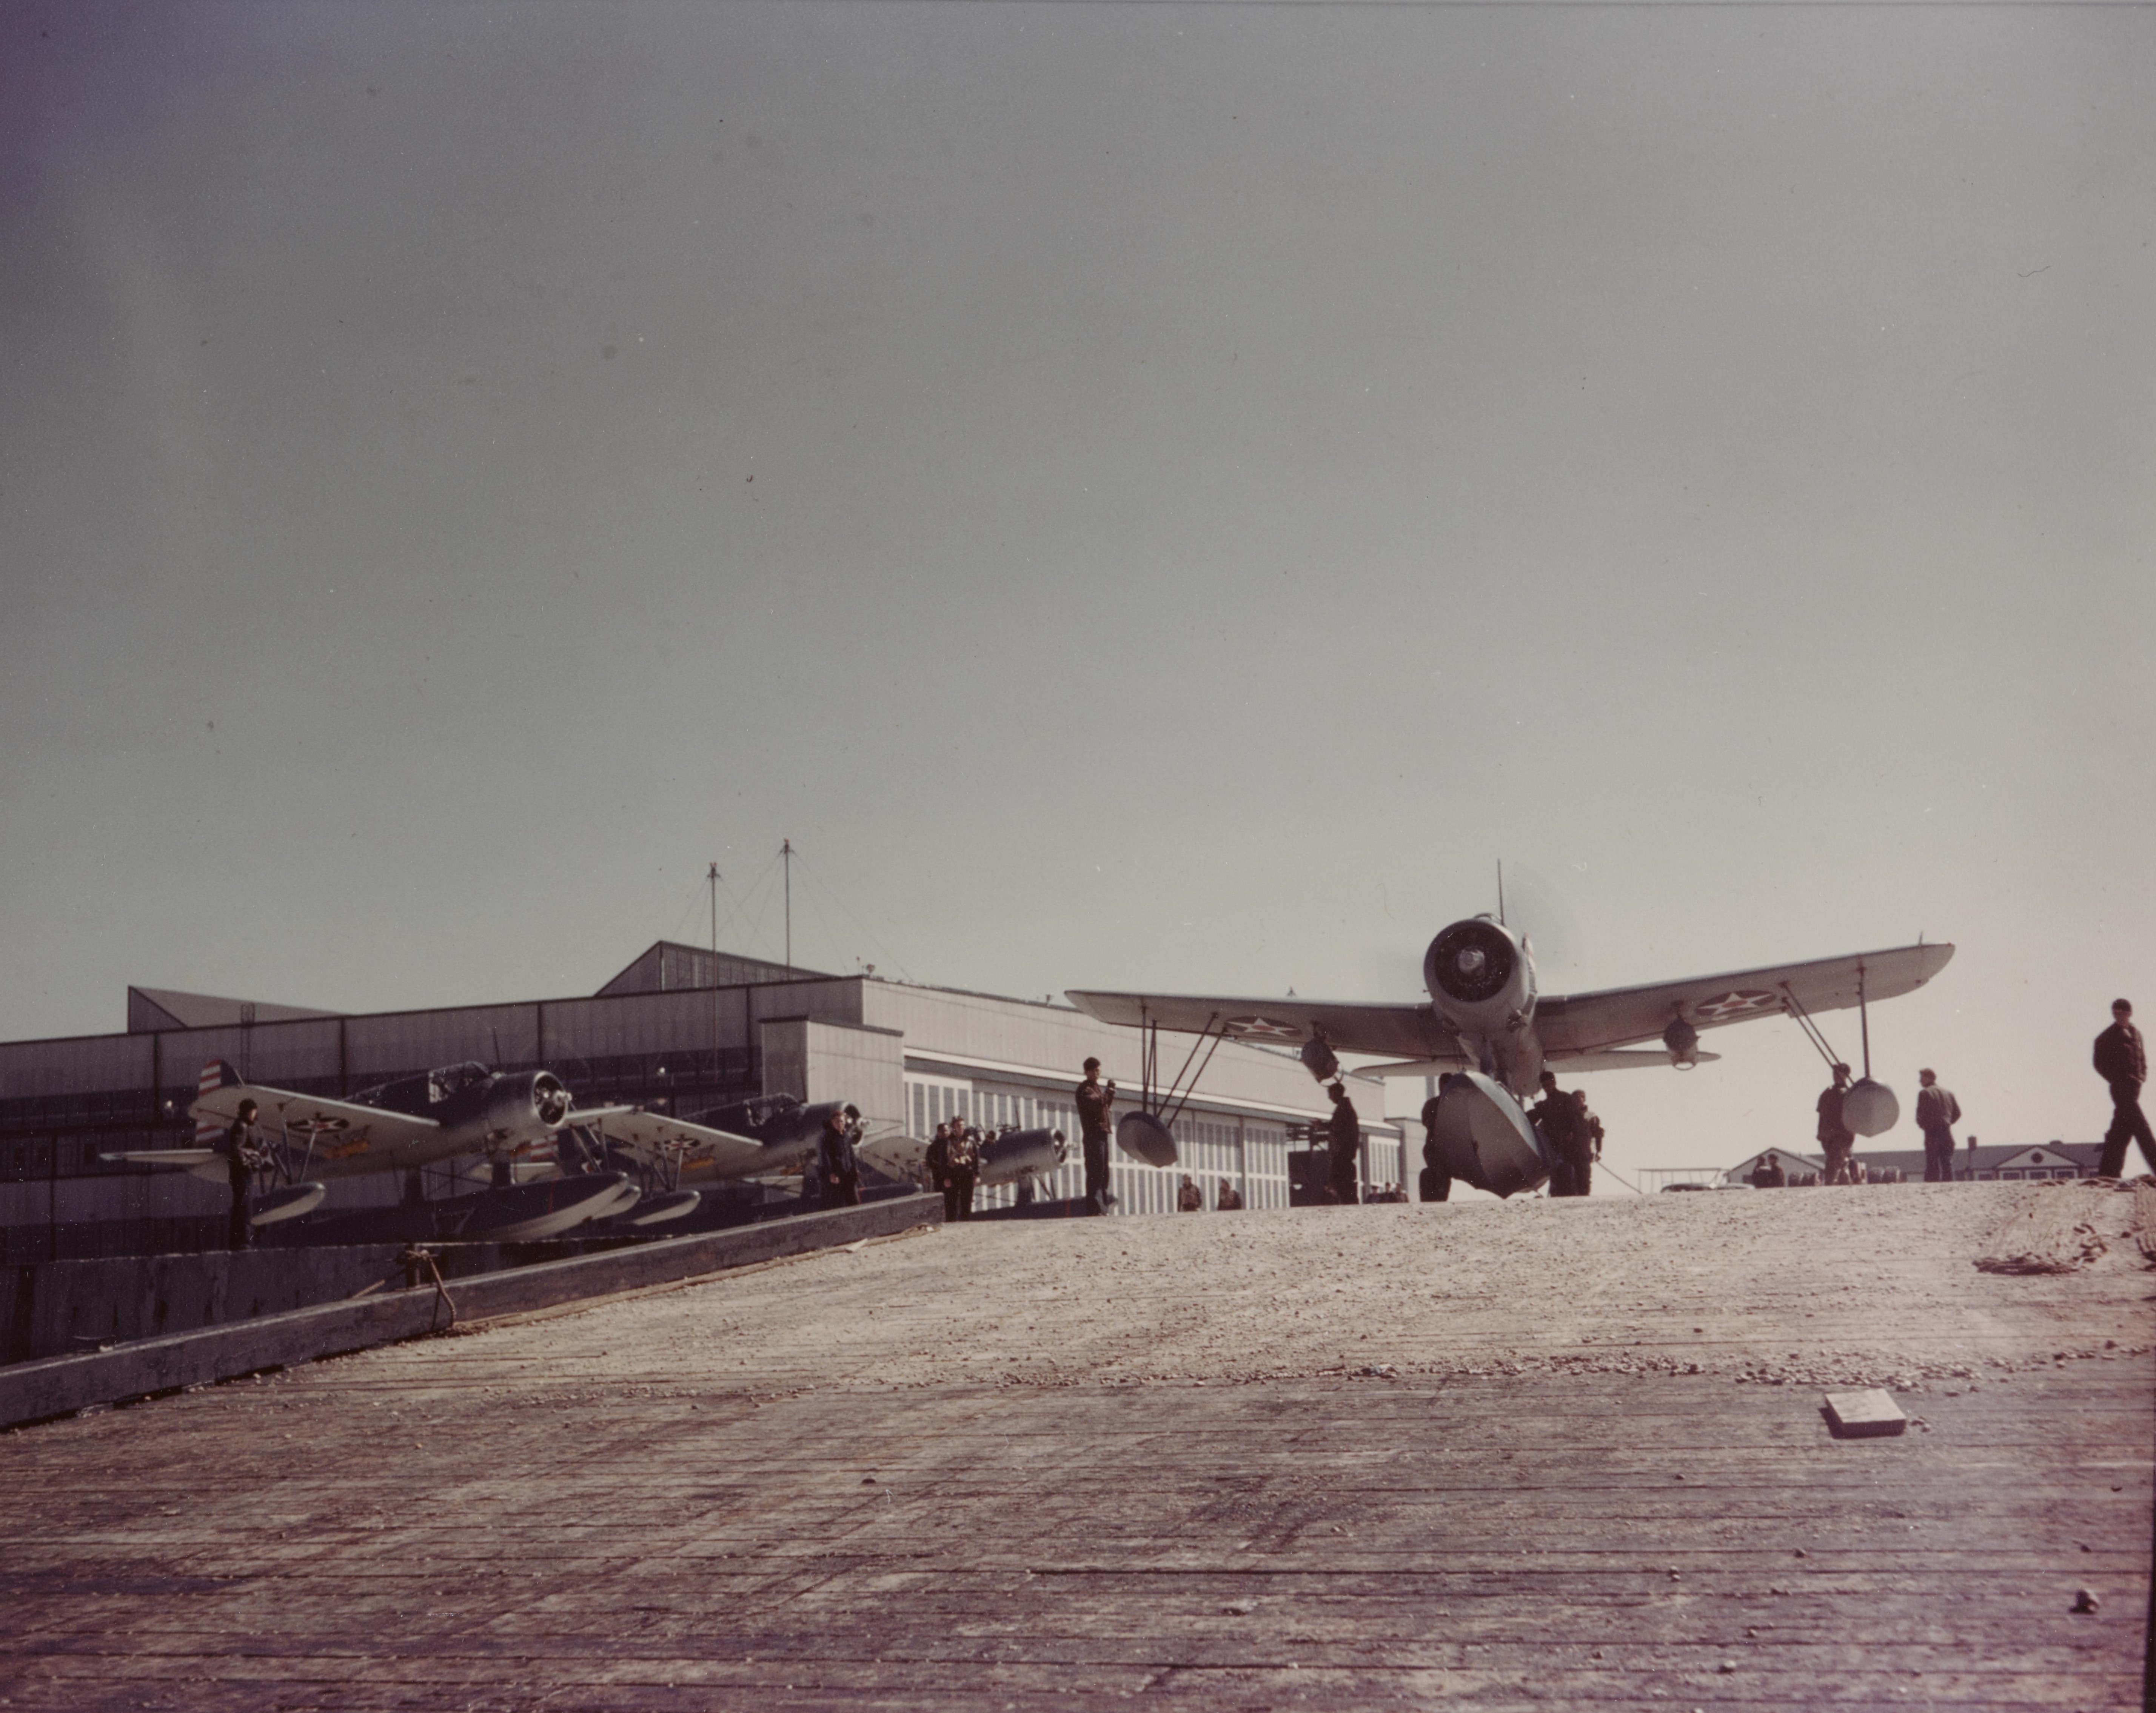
[[166, 1157]]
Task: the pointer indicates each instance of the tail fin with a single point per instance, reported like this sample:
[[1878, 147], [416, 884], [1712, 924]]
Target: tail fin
[[217, 1074]]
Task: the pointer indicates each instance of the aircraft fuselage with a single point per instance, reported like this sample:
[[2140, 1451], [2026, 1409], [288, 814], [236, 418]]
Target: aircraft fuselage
[[1480, 978]]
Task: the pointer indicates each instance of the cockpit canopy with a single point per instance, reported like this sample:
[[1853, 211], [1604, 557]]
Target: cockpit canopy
[[415, 1094]]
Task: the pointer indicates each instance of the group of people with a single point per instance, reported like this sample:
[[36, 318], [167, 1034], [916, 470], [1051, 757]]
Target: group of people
[[1768, 1173], [2121, 1059], [953, 1165], [1570, 1132], [1191, 1199]]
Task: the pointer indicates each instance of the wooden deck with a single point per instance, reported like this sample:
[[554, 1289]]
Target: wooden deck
[[517, 1519]]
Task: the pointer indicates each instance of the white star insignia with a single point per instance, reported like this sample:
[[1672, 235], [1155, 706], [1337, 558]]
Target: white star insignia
[[1262, 1029], [1736, 1003]]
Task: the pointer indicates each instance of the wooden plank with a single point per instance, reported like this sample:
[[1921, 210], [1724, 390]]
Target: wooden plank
[[615, 1511]]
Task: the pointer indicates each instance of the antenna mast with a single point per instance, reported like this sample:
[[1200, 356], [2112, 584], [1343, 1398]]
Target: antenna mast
[[786, 850], [1501, 892], [713, 877]]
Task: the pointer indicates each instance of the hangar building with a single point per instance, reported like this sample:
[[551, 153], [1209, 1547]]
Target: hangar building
[[679, 1029]]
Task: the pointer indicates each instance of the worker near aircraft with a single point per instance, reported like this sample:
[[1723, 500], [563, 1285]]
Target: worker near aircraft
[[2123, 1062], [1228, 1199], [240, 1174], [961, 1168], [1563, 1119], [838, 1173], [1096, 1106], [1835, 1138], [1435, 1182], [1188, 1197], [1937, 1112], [1346, 1135]]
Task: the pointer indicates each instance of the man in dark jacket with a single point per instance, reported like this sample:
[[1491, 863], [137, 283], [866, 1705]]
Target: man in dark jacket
[[838, 1173], [1835, 1138], [1346, 1135], [1937, 1112], [240, 1174], [2123, 1062], [1435, 1183], [1096, 1107]]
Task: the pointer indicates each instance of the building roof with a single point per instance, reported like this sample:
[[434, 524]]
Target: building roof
[[150, 1009], [668, 966]]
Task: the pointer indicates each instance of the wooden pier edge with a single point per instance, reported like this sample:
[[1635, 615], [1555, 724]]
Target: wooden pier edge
[[59, 1386]]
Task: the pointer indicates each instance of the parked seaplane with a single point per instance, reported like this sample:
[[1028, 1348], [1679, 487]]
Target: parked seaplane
[[555, 1165], [1484, 1021], [296, 1143], [764, 1137], [1010, 1155]]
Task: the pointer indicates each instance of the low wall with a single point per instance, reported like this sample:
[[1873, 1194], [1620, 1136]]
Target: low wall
[[62, 1308], [33, 1391]]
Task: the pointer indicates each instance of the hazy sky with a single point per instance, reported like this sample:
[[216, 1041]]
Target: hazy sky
[[1142, 495]]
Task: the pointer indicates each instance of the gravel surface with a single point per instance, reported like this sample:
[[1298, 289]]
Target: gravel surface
[[1875, 1286]]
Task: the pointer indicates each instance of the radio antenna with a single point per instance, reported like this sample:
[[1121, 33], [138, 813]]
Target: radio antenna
[[1501, 892]]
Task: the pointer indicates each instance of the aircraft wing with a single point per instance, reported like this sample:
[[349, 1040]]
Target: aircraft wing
[[1396, 1031], [312, 1117], [895, 1154], [1606, 1059], [1584, 1024], [655, 1134]]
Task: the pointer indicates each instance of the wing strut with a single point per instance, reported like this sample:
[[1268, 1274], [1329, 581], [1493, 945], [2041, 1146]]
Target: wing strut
[[1170, 1103], [1812, 1031]]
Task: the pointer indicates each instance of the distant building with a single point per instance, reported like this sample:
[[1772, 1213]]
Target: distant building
[[677, 1031], [1988, 1162]]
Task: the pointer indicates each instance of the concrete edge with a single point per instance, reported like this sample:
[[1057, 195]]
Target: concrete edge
[[59, 1386]]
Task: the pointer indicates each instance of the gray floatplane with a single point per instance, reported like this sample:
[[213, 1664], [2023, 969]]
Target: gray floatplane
[[1484, 1021]]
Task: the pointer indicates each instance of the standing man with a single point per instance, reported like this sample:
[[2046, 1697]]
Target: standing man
[[962, 1167], [838, 1172], [2123, 1062], [1096, 1107], [1937, 1112], [1188, 1197], [1835, 1138], [937, 1164], [1346, 1134], [240, 1173], [1228, 1199], [1435, 1182]]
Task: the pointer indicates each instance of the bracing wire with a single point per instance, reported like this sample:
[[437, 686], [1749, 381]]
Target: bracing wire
[[868, 932]]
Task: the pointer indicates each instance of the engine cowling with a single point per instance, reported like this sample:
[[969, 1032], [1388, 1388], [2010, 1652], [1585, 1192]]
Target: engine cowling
[[1021, 1153], [1479, 976], [531, 1103]]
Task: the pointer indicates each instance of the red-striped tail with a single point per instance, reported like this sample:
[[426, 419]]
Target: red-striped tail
[[209, 1128]]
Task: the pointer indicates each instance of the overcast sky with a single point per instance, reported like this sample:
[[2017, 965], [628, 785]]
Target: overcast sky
[[1142, 495]]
